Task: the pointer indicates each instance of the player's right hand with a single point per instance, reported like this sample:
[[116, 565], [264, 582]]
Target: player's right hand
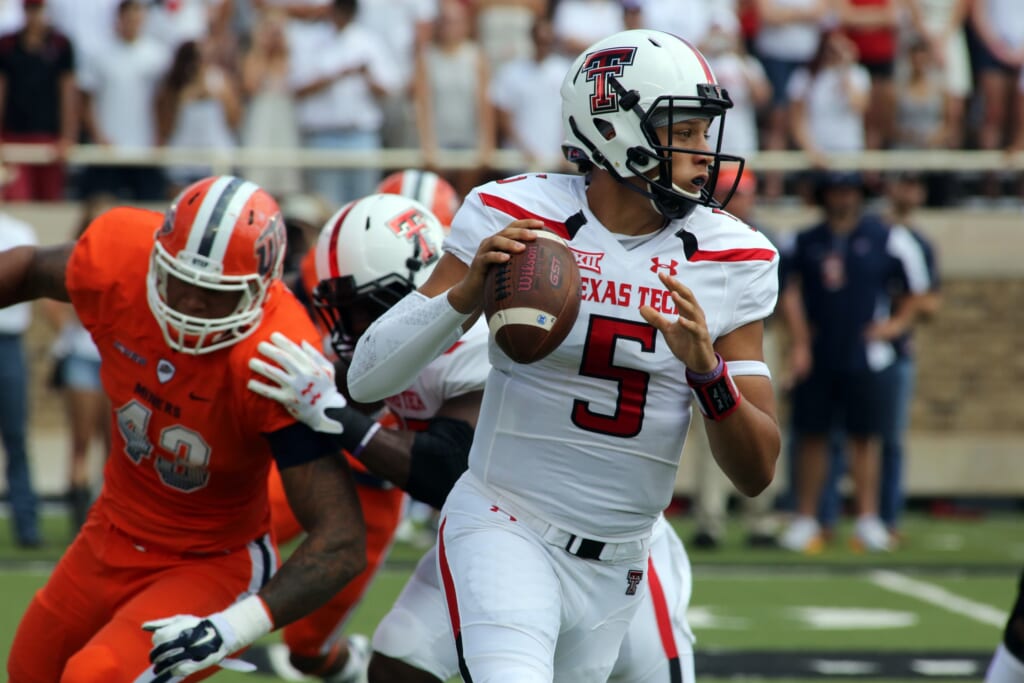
[[302, 381], [467, 296]]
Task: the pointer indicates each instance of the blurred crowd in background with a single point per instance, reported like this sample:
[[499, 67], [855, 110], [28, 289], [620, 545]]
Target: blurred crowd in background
[[821, 76]]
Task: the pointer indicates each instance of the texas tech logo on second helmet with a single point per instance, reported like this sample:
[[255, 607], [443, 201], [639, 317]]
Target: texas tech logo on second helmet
[[598, 66]]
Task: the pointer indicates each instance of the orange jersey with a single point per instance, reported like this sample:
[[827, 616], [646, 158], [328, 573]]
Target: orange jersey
[[188, 465]]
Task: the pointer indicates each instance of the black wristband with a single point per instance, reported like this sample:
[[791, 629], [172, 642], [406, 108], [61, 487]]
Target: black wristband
[[715, 392], [356, 425]]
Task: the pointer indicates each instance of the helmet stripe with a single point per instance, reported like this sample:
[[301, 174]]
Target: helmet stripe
[[332, 245], [215, 223], [703, 62], [197, 231], [233, 204]]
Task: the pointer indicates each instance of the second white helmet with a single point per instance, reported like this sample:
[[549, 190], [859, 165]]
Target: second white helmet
[[369, 255]]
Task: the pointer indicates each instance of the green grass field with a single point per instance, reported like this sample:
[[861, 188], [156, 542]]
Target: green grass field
[[944, 593]]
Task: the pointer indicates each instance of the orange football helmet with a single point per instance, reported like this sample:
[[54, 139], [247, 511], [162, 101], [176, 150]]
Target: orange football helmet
[[426, 187], [222, 234]]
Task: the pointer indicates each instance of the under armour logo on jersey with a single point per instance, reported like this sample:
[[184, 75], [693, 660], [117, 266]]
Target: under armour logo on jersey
[[599, 67], [164, 371], [633, 579], [672, 266]]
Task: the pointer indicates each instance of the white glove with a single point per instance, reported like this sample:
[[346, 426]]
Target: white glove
[[303, 384], [184, 644]]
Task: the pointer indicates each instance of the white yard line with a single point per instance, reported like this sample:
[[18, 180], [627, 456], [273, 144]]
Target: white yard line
[[938, 596]]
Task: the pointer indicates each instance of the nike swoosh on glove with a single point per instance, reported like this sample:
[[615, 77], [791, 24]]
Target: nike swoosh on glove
[[184, 644], [302, 381]]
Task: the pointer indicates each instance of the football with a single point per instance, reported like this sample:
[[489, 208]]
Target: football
[[531, 301]]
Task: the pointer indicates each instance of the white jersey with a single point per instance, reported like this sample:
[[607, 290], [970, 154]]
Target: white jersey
[[460, 370], [604, 416]]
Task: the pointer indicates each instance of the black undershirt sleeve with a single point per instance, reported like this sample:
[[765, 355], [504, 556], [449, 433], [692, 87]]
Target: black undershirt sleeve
[[297, 444]]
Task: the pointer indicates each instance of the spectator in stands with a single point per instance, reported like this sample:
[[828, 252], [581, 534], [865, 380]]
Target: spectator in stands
[[712, 487], [941, 23], [453, 111], [871, 25], [525, 95], [921, 106], [691, 20], [504, 28], [197, 107], [338, 106], [119, 82], [77, 376], [787, 40], [405, 27], [14, 320], [38, 102], [88, 25], [174, 22], [270, 119], [579, 23], [743, 77], [828, 99], [999, 28], [836, 307]]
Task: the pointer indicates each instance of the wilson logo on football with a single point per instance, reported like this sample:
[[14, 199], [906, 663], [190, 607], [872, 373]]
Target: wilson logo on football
[[588, 260]]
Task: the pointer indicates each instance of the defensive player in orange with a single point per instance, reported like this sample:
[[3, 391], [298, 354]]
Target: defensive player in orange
[[177, 304], [371, 253]]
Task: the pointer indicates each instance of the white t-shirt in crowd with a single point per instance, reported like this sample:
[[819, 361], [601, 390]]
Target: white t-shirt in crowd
[[88, 25], [794, 41], [348, 103], [688, 19], [834, 126], [732, 72], [14, 233], [122, 79], [587, 20], [395, 21], [529, 91]]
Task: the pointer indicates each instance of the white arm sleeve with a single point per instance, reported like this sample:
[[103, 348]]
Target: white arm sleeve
[[400, 343]]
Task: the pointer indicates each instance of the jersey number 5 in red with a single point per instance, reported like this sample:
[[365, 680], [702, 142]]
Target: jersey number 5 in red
[[597, 362]]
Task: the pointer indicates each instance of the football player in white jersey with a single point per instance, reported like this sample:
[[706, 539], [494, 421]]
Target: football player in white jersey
[[543, 544], [370, 254], [413, 643]]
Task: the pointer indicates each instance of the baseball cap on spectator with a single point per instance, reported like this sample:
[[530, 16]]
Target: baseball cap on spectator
[[34, 3]]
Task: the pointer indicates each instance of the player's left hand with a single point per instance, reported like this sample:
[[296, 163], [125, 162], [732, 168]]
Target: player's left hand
[[184, 644], [302, 381], [687, 336]]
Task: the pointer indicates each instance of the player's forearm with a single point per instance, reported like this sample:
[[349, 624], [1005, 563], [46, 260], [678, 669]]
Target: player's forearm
[[323, 498], [29, 272], [388, 456], [746, 446]]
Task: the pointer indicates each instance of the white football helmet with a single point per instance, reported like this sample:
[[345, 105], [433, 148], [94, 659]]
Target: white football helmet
[[620, 91], [221, 234], [369, 255]]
